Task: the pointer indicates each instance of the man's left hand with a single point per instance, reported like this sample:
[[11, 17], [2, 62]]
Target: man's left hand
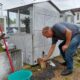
[[64, 47]]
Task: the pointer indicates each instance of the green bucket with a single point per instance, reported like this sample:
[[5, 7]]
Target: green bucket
[[20, 75]]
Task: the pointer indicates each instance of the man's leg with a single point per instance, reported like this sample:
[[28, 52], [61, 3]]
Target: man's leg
[[61, 51], [69, 54]]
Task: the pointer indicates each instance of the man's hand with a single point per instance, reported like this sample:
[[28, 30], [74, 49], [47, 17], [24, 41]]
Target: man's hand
[[49, 53], [64, 47], [44, 59]]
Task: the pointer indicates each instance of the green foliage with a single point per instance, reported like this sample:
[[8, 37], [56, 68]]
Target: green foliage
[[2, 21], [1, 49], [11, 21]]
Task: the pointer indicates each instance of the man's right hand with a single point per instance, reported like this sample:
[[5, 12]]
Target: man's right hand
[[49, 53], [44, 59]]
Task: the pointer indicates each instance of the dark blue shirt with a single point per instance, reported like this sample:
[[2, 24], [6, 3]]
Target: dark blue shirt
[[60, 31]]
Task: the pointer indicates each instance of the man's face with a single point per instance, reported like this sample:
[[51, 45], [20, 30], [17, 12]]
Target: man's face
[[48, 33]]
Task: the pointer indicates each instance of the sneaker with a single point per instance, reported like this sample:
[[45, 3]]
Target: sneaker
[[66, 72]]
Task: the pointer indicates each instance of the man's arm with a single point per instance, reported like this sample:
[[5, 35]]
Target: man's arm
[[68, 39], [50, 52], [68, 36]]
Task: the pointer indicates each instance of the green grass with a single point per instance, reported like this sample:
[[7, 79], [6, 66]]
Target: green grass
[[1, 49]]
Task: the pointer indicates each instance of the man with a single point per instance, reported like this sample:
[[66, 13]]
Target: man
[[70, 35]]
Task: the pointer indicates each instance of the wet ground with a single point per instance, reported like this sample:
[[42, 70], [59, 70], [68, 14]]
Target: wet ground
[[51, 73]]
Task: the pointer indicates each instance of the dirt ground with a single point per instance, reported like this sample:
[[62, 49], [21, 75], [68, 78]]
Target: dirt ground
[[57, 71], [74, 76]]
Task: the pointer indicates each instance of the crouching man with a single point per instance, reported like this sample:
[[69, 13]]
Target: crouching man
[[70, 34]]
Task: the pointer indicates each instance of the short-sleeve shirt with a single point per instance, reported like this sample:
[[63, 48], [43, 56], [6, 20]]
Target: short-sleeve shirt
[[60, 31]]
